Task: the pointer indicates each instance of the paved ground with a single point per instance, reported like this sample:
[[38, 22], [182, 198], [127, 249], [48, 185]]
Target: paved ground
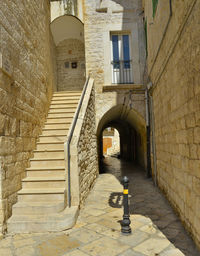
[[156, 230]]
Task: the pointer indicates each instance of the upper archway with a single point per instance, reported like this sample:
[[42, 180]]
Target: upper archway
[[68, 37], [66, 27]]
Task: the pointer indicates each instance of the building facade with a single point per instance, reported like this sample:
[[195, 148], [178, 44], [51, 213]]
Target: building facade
[[173, 69]]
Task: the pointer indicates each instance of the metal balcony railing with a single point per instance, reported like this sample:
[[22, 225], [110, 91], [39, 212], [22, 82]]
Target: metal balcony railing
[[122, 72]]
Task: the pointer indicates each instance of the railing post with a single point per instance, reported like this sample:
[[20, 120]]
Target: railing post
[[126, 229]]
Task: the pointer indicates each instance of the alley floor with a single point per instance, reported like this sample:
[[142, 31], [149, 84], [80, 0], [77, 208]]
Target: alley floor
[[156, 230]]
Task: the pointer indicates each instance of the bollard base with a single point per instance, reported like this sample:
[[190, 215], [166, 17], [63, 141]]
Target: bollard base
[[125, 224], [126, 232]]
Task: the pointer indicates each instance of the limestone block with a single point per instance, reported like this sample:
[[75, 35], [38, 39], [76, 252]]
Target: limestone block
[[196, 185], [25, 129], [2, 124], [197, 134]]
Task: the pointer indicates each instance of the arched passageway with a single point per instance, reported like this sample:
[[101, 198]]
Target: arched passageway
[[132, 133], [69, 52]]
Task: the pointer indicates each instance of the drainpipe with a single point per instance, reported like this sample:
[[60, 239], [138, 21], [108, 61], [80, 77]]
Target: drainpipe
[[154, 144], [152, 125], [148, 134]]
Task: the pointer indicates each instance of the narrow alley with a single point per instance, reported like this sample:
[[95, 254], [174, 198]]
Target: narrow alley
[[156, 230]]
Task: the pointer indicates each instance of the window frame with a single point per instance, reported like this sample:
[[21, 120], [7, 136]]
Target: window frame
[[129, 71]]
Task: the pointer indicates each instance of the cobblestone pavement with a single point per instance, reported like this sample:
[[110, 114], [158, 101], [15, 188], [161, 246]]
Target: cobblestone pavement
[[156, 230]]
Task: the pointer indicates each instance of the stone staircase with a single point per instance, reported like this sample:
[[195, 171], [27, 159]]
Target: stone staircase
[[41, 201]]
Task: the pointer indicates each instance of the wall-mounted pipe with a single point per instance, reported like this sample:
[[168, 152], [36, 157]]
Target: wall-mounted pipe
[[148, 156], [153, 141]]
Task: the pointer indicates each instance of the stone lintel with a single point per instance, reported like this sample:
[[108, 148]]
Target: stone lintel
[[116, 87]]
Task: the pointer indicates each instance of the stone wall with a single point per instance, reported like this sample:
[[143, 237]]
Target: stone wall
[[68, 52], [176, 96], [87, 157], [26, 84], [83, 148]]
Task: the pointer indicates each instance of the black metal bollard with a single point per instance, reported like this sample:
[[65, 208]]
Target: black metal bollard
[[126, 229]]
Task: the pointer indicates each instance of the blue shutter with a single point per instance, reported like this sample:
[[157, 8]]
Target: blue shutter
[[115, 44], [126, 51]]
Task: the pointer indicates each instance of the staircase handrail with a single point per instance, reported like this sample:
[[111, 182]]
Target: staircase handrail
[[69, 138]]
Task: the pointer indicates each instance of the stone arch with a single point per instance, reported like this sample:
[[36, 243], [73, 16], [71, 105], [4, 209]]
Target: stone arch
[[132, 129], [68, 37]]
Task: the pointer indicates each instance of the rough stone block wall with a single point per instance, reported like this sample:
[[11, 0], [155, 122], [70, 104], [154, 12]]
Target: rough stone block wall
[[67, 52], [25, 90], [87, 151], [177, 122]]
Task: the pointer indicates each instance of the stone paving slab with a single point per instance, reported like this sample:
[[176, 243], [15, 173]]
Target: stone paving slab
[[156, 230]]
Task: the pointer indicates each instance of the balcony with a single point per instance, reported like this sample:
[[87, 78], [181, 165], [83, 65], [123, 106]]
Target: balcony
[[122, 72]]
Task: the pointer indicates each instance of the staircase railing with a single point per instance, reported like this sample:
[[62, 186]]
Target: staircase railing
[[70, 138]]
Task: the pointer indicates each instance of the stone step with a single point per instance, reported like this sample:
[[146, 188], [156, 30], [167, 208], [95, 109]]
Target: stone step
[[67, 95], [43, 182], [62, 110], [49, 153], [52, 139], [41, 172], [43, 223], [35, 208], [62, 97], [57, 132], [63, 106], [47, 163], [50, 146], [41, 191], [69, 114], [57, 125], [39, 197], [59, 120], [63, 93], [67, 102]]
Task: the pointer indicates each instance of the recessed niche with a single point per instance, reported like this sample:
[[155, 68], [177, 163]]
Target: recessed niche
[[66, 64], [74, 65]]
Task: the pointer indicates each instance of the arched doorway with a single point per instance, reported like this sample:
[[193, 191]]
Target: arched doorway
[[111, 142], [69, 52]]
